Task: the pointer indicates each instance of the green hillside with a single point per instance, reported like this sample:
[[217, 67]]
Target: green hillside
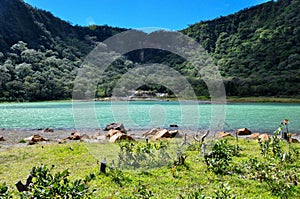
[[257, 50]]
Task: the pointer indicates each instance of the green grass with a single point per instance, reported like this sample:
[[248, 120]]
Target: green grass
[[167, 181]]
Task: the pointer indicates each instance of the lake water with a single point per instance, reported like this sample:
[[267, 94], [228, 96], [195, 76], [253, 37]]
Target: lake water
[[261, 117]]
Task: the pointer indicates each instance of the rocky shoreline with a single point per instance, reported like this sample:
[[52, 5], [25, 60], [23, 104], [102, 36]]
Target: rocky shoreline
[[20, 137]]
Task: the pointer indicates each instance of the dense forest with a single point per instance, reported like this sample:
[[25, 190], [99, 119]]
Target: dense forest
[[257, 50]]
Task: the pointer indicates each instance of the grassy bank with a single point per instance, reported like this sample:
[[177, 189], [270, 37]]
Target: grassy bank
[[263, 99], [246, 169]]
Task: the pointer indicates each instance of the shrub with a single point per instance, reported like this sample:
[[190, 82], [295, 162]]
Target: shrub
[[146, 155], [4, 191], [46, 185], [220, 157]]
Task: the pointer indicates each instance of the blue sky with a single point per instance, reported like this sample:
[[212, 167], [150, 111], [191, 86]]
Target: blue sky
[[168, 14]]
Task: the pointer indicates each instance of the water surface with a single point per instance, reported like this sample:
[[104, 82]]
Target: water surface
[[262, 117]]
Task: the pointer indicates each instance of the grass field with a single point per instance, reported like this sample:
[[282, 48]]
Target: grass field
[[242, 169]]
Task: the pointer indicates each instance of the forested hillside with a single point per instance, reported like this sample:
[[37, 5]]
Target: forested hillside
[[39, 53], [257, 50]]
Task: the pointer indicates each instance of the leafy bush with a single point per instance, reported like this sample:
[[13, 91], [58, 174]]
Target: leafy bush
[[146, 155], [220, 157], [46, 185], [279, 181], [117, 176], [4, 191], [195, 194], [224, 192]]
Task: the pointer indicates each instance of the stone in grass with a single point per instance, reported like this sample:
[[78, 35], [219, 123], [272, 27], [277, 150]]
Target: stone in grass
[[293, 140], [243, 131]]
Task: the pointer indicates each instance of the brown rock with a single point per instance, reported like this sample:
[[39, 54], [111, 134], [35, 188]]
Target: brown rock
[[115, 126], [120, 136], [112, 132], [264, 137], [254, 135], [243, 131], [85, 137], [96, 135], [174, 133], [75, 136], [225, 134], [31, 142], [61, 141], [36, 138], [164, 133], [293, 140], [2, 138], [101, 137], [152, 132], [48, 130]]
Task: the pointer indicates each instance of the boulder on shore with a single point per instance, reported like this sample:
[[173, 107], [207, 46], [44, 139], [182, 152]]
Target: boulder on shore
[[243, 131], [96, 135], [152, 132], [48, 130], [174, 133], [85, 137], [2, 138], [254, 135], [225, 134], [112, 132], [36, 138], [264, 137], [120, 136], [74, 136], [115, 126], [163, 133]]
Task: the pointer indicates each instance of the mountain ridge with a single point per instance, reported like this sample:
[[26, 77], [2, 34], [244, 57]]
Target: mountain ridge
[[257, 50]]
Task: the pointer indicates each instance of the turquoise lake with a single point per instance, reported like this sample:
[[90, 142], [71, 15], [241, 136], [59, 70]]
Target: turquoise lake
[[261, 117]]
